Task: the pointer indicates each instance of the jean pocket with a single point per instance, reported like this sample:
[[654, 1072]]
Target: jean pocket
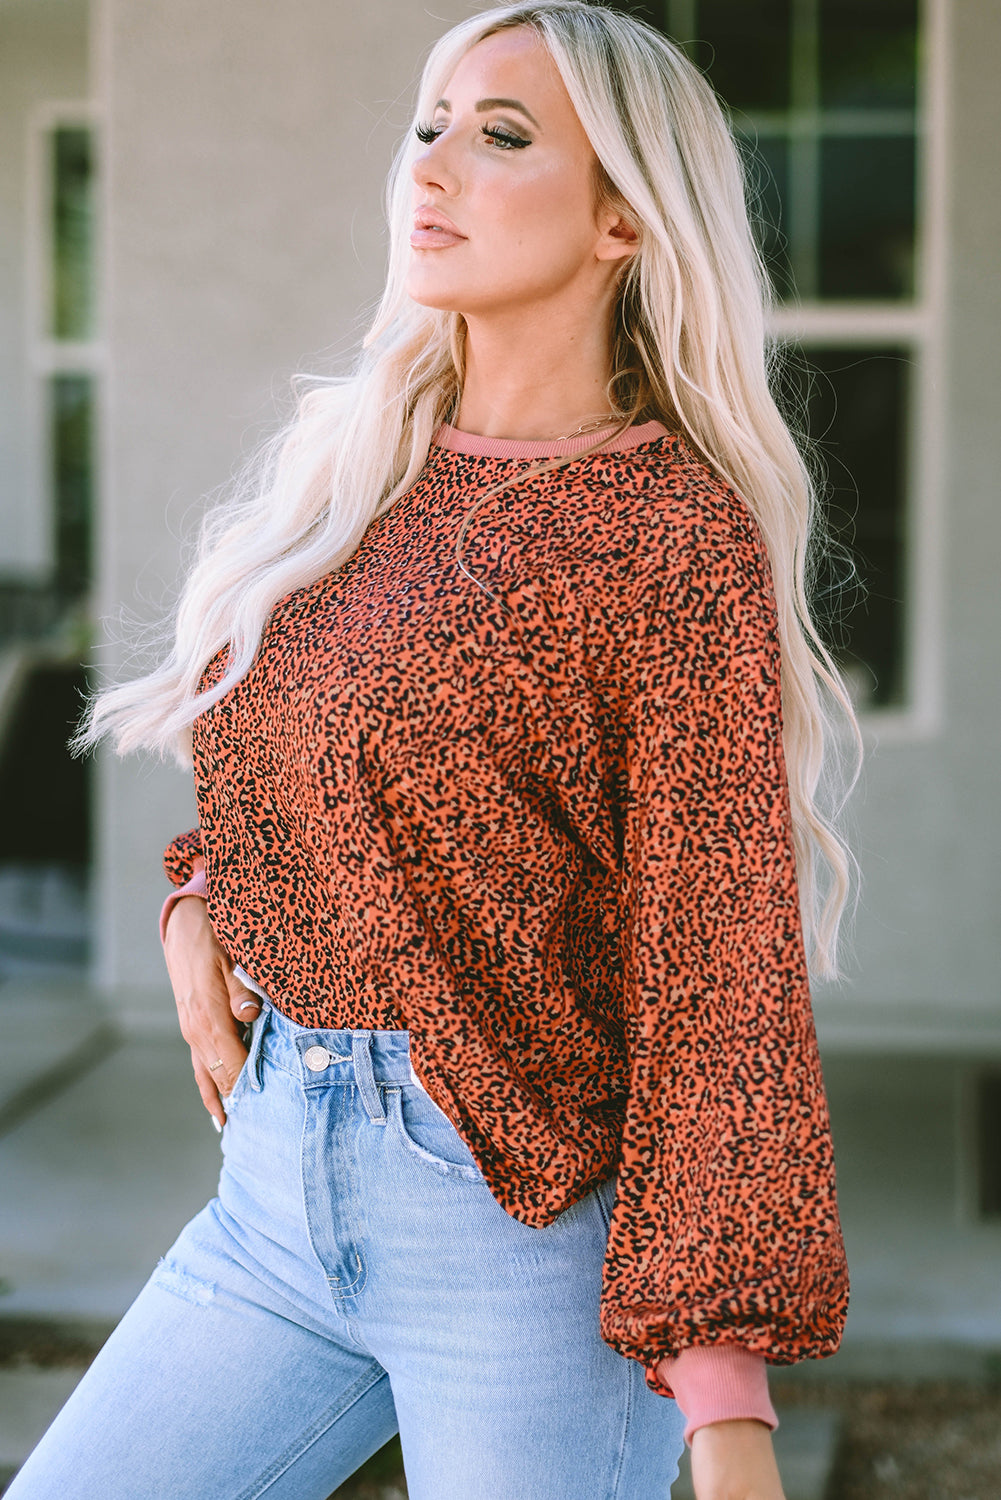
[[239, 1088], [429, 1135]]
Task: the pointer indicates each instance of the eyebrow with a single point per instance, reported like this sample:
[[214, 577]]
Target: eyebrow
[[484, 104]]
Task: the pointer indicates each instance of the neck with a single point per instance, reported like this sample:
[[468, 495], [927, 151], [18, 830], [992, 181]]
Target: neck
[[530, 377]]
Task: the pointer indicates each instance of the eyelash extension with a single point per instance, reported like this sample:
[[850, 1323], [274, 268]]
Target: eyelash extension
[[427, 134]]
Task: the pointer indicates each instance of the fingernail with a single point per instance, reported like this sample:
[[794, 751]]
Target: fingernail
[[217, 1124], [250, 1005]]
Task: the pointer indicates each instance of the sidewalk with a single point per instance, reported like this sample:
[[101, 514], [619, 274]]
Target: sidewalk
[[105, 1152]]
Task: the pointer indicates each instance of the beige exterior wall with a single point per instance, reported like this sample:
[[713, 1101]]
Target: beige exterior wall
[[246, 150], [43, 58], [929, 812]]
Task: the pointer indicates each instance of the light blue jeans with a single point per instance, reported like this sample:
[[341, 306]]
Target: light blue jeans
[[354, 1278]]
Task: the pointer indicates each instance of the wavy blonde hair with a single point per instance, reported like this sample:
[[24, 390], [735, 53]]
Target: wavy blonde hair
[[689, 347]]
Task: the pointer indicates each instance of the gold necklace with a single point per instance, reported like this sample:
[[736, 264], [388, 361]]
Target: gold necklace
[[609, 417]]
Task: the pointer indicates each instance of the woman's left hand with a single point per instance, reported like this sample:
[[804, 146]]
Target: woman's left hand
[[735, 1460]]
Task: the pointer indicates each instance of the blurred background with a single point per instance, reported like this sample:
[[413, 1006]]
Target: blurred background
[[190, 212]]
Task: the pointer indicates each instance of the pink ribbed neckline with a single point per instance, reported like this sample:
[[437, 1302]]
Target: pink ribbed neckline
[[488, 447]]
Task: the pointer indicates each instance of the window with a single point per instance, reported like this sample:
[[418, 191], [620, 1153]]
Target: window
[[71, 445], [825, 90], [859, 400], [70, 379], [831, 104], [71, 232], [45, 842], [66, 352]]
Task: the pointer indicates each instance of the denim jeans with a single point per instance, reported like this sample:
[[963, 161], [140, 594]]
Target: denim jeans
[[354, 1278]]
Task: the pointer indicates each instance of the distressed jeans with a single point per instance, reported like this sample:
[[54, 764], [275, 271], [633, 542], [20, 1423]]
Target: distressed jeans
[[355, 1277]]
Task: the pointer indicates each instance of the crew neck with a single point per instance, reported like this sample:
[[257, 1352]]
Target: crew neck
[[491, 447]]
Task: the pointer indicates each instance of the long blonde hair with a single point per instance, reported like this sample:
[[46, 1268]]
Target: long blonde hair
[[690, 347]]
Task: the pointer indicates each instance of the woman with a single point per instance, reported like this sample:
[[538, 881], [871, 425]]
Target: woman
[[484, 679]]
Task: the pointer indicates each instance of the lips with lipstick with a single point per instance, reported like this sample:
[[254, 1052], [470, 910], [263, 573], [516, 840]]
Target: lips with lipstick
[[433, 231]]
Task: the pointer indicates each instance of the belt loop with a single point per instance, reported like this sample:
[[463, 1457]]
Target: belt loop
[[361, 1052]]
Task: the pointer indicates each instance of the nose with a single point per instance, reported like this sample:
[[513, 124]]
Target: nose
[[431, 168]]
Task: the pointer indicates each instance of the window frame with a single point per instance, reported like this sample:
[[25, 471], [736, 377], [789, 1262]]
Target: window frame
[[916, 323]]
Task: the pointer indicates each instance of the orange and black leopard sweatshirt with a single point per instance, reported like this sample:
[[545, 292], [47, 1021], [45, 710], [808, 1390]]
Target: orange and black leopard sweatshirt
[[539, 817]]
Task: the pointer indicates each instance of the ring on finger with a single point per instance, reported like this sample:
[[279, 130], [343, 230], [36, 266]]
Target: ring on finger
[[217, 1064]]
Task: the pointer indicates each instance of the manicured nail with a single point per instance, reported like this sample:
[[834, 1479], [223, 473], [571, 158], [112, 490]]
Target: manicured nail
[[250, 1005], [217, 1124]]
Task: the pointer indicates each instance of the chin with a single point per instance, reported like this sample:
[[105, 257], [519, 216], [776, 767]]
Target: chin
[[428, 297], [433, 297]]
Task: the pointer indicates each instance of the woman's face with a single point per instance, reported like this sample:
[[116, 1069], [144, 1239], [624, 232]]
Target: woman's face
[[508, 175]]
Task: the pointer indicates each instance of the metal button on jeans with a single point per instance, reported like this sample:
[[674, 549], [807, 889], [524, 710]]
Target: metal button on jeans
[[317, 1058]]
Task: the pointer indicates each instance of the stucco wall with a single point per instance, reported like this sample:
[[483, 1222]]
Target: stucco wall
[[43, 57], [929, 813], [246, 151]]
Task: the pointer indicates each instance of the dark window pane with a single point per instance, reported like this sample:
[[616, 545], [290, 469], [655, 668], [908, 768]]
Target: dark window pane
[[867, 217], [71, 416], [745, 50], [766, 162], [45, 792], [989, 1145], [868, 53], [650, 11], [72, 311], [857, 416]]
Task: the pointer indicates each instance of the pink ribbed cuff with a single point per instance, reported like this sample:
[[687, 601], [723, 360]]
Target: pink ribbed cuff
[[719, 1383], [195, 887]]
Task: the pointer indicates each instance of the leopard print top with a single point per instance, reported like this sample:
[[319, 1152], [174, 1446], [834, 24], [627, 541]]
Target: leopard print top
[[544, 824]]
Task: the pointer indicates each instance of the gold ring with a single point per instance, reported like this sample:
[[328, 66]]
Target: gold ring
[[216, 1064]]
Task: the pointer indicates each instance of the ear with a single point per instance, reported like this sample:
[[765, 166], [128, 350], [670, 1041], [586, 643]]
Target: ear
[[619, 238]]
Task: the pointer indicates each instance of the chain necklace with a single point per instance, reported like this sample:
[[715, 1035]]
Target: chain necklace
[[609, 417], [605, 421]]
